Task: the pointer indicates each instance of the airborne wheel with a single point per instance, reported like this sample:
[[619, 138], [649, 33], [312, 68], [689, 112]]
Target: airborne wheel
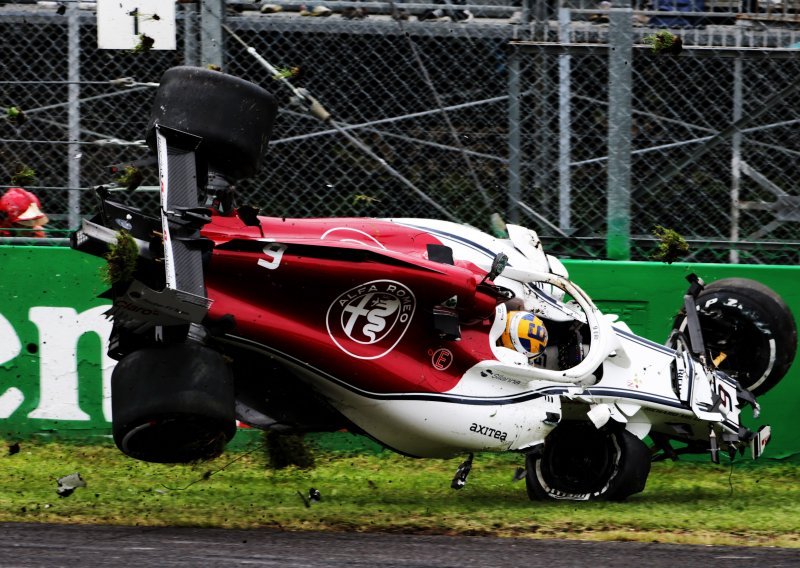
[[749, 331], [172, 404]]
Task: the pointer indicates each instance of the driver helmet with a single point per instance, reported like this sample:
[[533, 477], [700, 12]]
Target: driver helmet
[[524, 333]]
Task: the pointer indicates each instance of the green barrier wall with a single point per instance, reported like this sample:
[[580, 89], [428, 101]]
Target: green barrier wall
[[54, 375], [53, 371]]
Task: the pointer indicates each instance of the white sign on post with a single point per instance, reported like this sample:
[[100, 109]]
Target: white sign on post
[[136, 24]]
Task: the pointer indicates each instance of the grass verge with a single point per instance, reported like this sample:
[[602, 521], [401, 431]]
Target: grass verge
[[748, 504]]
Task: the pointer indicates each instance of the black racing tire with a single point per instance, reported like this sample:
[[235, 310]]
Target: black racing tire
[[580, 462], [753, 327], [172, 404], [234, 117]]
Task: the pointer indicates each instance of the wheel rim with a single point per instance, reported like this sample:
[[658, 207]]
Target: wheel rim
[[746, 344]]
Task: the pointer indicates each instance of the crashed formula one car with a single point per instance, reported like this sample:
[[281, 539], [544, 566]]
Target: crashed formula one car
[[431, 337]]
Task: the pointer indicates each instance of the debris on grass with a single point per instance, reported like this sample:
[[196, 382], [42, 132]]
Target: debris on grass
[[69, 483], [305, 501], [460, 478], [314, 496], [672, 247], [13, 448]]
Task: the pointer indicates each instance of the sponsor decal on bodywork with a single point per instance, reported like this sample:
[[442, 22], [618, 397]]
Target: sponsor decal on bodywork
[[441, 359], [487, 431], [369, 320], [500, 377]]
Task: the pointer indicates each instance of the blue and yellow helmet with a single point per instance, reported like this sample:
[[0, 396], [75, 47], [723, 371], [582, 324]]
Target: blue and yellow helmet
[[525, 333]]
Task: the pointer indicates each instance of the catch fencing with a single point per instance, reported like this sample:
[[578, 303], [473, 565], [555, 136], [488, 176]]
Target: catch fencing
[[566, 121]]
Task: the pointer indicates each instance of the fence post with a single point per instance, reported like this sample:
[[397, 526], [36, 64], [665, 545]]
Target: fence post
[[620, 60], [514, 136], [540, 20], [736, 154], [190, 47], [564, 126], [73, 116], [212, 13]]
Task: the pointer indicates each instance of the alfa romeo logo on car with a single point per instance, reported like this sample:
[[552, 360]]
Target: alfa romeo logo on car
[[368, 321]]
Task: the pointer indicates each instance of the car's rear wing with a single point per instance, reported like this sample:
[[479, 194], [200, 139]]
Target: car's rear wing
[[183, 298]]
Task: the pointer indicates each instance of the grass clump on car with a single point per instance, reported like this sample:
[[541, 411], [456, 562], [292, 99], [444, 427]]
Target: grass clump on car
[[120, 259]]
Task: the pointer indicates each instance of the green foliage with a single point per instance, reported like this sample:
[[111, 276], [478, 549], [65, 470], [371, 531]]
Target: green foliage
[[15, 115], [698, 503], [145, 44], [672, 247], [663, 41], [361, 199], [121, 259], [131, 177], [24, 175], [287, 73]]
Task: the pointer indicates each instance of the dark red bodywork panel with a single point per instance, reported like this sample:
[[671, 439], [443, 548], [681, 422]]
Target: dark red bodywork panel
[[352, 297]]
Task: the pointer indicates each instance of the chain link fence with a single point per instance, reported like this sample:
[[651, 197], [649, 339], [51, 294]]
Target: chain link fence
[[458, 119]]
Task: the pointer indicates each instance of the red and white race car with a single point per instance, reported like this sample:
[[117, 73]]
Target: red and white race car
[[431, 337]]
